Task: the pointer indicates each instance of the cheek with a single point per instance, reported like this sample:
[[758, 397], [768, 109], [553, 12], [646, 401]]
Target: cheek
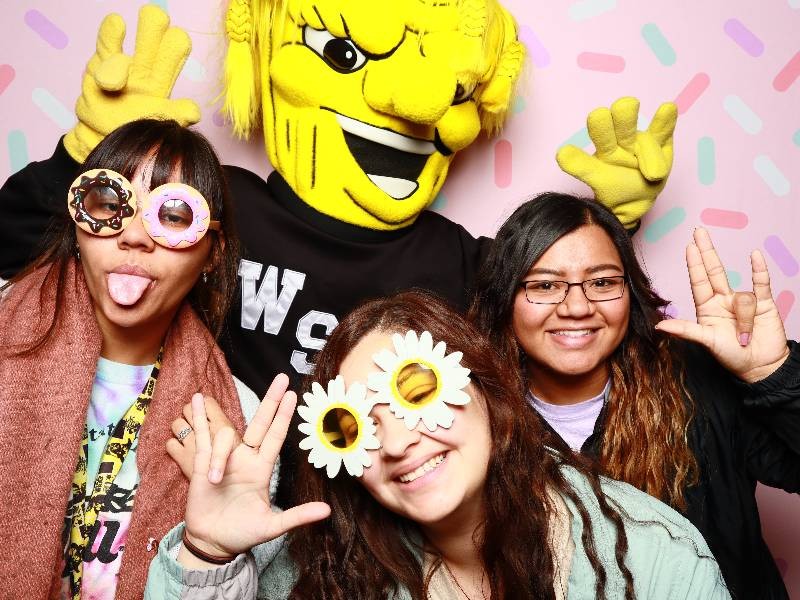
[[459, 126]]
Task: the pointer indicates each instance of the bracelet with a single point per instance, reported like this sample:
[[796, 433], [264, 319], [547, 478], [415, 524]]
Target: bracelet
[[196, 552]]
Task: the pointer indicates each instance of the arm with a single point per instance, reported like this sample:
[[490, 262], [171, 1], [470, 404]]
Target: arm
[[29, 199], [228, 510]]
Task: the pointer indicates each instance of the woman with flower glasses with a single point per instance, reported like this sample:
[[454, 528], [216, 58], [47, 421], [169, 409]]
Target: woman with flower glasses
[[426, 478], [695, 422], [102, 339]]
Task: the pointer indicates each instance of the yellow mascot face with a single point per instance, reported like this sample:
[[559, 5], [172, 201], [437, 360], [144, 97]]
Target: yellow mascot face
[[364, 103]]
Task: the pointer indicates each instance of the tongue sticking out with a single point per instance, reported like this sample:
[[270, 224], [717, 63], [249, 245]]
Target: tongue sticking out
[[127, 289]]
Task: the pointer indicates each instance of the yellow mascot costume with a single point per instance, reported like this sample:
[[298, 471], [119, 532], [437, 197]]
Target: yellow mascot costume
[[363, 107]]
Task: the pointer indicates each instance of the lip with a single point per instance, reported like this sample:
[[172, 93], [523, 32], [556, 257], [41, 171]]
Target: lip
[[132, 270], [410, 465], [576, 342]]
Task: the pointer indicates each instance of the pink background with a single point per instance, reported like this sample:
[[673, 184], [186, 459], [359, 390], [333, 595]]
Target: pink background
[[738, 47]]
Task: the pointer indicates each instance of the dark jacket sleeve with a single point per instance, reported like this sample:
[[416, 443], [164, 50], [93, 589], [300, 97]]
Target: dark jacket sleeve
[[758, 424], [28, 201], [774, 402]]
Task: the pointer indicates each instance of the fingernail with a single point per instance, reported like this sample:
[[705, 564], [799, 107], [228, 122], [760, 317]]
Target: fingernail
[[744, 339], [214, 475]]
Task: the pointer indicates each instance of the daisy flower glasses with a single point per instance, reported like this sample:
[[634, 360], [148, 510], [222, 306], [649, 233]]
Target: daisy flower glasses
[[418, 381]]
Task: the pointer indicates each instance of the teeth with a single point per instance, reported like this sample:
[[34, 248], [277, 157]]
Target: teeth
[[385, 136], [395, 187], [573, 332], [429, 465]]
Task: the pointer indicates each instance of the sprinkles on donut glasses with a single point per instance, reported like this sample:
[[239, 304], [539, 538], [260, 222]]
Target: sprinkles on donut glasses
[[103, 202]]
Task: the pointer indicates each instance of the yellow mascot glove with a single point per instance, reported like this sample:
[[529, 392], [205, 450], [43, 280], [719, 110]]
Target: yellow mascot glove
[[629, 168], [117, 89]]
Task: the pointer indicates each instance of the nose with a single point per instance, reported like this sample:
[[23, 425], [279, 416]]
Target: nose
[[407, 85], [575, 305], [395, 437], [134, 236]]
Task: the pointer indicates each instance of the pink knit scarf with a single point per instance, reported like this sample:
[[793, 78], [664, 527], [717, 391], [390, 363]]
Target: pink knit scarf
[[44, 396]]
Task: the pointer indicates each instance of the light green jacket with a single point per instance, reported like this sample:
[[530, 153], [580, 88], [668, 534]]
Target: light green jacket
[[667, 556]]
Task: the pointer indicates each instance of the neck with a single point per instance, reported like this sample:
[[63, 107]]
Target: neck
[[563, 389], [132, 345], [455, 542]]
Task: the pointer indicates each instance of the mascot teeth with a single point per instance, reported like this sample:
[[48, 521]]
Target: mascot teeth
[[385, 136], [395, 187], [391, 161]]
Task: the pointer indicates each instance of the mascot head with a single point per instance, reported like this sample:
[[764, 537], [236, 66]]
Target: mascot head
[[364, 104]]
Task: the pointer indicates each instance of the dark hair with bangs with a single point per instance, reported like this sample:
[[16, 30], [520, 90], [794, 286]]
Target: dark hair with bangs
[[170, 147], [359, 551], [642, 367]]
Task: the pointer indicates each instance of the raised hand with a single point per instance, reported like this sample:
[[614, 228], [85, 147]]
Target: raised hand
[[629, 167], [743, 330], [117, 89], [181, 448], [228, 509]]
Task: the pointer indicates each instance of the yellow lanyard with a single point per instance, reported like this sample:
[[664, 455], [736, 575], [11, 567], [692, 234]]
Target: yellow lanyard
[[86, 510]]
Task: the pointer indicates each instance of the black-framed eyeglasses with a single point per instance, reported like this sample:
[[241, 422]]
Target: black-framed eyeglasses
[[599, 289]]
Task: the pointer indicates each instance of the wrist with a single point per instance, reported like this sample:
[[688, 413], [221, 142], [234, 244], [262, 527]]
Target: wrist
[[200, 554], [760, 373]]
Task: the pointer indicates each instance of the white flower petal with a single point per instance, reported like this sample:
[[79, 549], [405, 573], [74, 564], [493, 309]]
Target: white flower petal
[[306, 428], [385, 359], [425, 343], [306, 443], [309, 415], [333, 466]]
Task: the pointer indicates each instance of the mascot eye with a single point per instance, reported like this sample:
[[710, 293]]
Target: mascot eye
[[463, 93], [340, 53]]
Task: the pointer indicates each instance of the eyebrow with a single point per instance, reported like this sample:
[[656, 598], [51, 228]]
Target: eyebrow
[[591, 270]]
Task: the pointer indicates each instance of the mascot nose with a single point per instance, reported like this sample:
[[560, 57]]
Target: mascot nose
[[419, 91]]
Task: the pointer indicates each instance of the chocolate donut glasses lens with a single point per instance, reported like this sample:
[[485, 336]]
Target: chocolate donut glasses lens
[[103, 202]]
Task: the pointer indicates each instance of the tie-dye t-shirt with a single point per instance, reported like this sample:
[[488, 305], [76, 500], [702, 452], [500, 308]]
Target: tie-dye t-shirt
[[116, 387]]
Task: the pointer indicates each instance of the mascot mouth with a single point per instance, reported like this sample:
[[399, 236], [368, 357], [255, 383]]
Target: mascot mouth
[[392, 161]]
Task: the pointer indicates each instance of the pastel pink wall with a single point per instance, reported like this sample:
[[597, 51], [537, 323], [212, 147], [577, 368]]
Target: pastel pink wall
[[733, 66]]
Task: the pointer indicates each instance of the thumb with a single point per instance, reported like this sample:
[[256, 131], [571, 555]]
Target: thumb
[[297, 517], [577, 163], [744, 307], [686, 330]]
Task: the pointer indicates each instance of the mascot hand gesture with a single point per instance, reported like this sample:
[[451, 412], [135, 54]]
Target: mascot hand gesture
[[629, 167], [118, 88]]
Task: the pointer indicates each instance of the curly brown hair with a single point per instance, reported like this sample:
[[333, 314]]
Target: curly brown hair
[[362, 537]]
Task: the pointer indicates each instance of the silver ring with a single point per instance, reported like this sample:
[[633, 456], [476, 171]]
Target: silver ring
[[183, 433]]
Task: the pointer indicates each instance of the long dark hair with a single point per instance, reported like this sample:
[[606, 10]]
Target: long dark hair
[[362, 549], [649, 409], [169, 146]]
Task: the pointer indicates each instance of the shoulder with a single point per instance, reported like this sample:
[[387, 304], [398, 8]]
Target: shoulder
[[666, 554]]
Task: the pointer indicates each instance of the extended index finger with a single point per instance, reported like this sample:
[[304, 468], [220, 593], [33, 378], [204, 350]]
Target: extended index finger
[[153, 22], [254, 435], [625, 113], [276, 435], [761, 286], [713, 265]]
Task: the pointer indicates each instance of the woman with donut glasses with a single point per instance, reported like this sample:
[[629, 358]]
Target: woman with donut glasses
[[102, 340]]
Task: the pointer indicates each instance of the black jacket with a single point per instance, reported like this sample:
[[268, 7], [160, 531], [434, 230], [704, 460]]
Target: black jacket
[[741, 434]]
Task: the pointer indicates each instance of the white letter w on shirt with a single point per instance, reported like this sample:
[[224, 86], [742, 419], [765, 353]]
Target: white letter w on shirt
[[267, 300]]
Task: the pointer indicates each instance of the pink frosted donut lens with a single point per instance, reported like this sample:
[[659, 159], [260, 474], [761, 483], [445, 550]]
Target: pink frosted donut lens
[[175, 215], [101, 202]]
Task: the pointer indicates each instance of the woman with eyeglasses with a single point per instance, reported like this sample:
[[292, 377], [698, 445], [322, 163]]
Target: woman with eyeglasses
[[426, 479], [102, 340], [695, 422]]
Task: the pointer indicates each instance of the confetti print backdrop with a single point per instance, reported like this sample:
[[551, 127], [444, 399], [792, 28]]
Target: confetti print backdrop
[[731, 65]]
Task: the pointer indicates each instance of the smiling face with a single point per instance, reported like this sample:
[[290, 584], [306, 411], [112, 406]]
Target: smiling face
[[433, 478], [575, 338], [363, 113], [137, 285]]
